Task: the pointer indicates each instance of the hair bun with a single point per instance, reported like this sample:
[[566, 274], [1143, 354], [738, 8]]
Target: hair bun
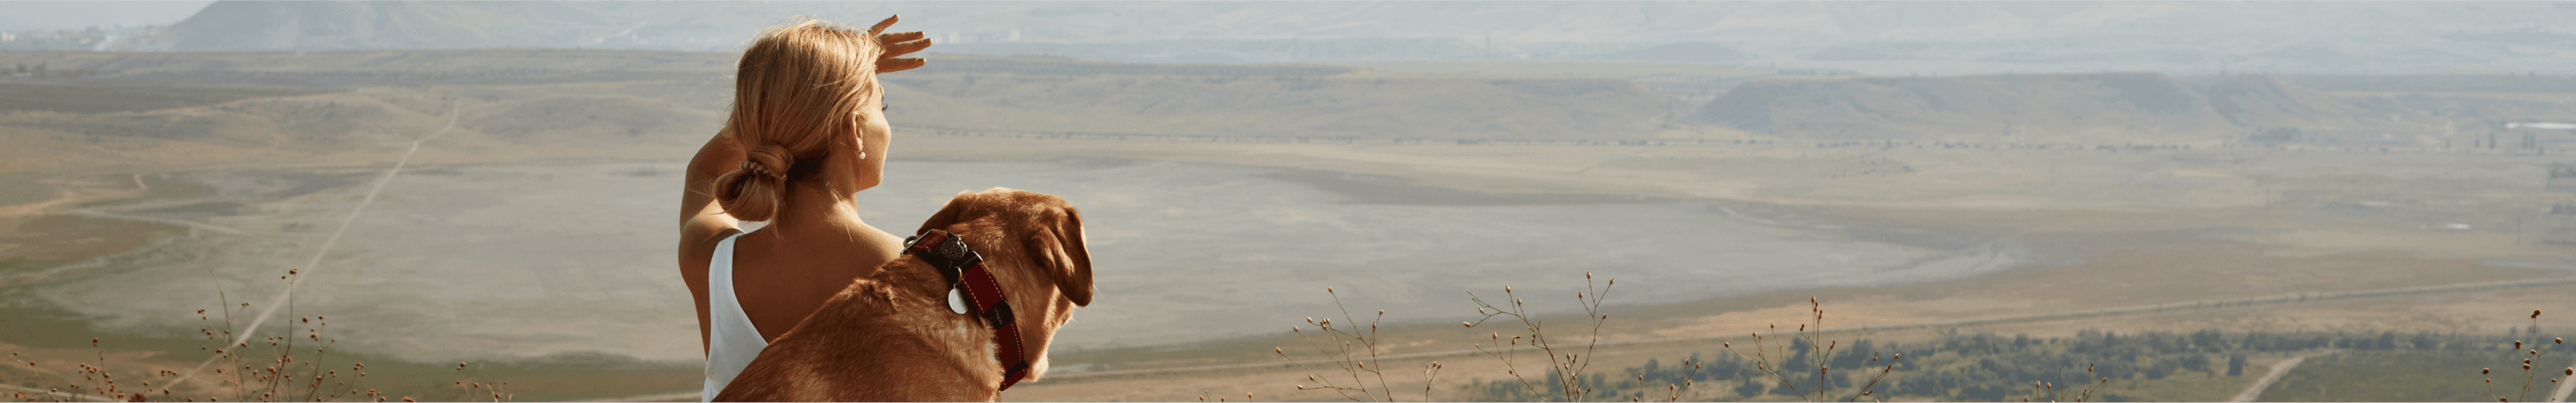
[[754, 190], [768, 160]]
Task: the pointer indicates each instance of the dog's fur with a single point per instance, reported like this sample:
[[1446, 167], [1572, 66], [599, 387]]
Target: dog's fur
[[890, 335]]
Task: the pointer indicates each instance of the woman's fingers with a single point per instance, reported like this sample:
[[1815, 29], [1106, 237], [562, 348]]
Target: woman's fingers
[[894, 65], [902, 47], [905, 36], [895, 48], [881, 25], [897, 44]]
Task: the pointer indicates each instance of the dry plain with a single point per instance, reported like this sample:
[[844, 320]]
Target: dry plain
[[533, 234], [1740, 265]]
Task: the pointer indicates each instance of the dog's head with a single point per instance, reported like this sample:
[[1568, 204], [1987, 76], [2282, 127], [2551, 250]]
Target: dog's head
[[1033, 243]]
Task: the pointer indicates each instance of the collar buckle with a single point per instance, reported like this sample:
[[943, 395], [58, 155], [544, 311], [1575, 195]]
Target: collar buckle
[[972, 288]]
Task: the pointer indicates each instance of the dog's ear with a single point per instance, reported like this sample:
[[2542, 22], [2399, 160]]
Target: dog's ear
[[949, 214], [1059, 246]]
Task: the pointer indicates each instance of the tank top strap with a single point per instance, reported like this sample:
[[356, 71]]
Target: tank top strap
[[732, 341]]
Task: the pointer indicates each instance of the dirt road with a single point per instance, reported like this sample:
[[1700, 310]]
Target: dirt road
[[2278, 369]]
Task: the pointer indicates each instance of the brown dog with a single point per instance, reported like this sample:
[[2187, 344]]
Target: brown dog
[[891, 335]]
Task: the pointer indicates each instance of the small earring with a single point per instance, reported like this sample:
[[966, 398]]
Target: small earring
[[863, 155]]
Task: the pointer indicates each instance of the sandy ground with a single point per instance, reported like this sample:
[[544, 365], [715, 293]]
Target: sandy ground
[[2457, 312], [517, 260], [1227, 243]]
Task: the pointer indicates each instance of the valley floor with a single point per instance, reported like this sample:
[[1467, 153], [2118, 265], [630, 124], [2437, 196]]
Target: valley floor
[[2235, 239]]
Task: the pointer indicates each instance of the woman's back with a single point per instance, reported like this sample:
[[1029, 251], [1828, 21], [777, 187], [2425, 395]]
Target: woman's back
[[753, 298], [790, 279], [807, 132]]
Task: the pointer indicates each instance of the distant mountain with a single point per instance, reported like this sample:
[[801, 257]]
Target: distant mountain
[[2034, 108], [365, 25], [1873, 37], [1679, 52]]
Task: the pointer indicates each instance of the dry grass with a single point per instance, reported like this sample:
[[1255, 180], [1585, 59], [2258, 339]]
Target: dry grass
[[2047, 392], [2534, 351], [1355, 372], [1354, 361], [274, 368], [1565, 368], [271, 369], [1813, 334], [1353, 365]]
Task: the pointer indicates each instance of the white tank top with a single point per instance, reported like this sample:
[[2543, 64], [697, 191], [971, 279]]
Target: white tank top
[[731, 340]]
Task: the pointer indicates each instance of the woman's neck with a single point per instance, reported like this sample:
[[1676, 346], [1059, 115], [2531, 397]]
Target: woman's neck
[[813, 212]]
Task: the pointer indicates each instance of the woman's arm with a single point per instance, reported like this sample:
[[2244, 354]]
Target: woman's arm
[[703, 222]]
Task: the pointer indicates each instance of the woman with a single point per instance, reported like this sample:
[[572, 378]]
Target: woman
[[807, 131]]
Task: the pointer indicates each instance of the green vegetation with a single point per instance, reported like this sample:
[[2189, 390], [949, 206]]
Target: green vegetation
[[2154, 366], [2414, 376]]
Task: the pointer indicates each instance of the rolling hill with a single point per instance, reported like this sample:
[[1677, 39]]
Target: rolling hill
[[2099, 107], [1874, 37]]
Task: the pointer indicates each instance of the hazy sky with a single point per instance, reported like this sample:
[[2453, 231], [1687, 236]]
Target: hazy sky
[[1873, 37], [61, 15]]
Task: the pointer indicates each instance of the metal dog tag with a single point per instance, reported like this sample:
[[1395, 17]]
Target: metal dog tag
[[956, 301]]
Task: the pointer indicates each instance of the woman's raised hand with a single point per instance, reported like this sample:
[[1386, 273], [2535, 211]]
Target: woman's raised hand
[[897, 44]]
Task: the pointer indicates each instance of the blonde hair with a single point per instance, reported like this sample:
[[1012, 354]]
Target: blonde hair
[[797, 93]]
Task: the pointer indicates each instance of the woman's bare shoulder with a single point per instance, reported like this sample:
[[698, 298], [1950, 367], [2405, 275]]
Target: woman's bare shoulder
[[703, 221], [698, 243]]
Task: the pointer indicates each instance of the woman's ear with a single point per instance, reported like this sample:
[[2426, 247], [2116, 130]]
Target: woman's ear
[[948, 215], [859, 134]]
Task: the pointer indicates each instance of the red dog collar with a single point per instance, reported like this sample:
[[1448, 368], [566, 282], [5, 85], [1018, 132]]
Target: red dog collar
[[965, 270]]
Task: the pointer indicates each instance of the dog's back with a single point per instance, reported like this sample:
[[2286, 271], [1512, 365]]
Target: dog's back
[[890, 335]]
